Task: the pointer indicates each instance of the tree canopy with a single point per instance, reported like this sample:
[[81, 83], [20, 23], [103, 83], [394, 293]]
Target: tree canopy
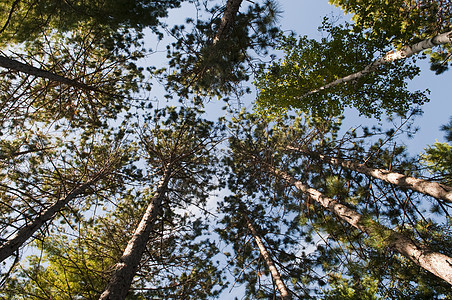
[[116, 182], [309, 64]]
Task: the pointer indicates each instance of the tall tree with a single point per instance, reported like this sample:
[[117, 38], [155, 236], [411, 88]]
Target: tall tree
[[100, 82], [37, 186], [266, 259], [276, 216], [309, 64], [436, 263], [13, 244], [180, 148], [75, 262], [83, 52], [285, 295]]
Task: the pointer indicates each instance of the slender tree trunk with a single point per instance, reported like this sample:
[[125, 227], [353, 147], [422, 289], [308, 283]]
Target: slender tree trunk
[[11, 11], [285, 295], [391, 56], [15, 65], [434, 189], [13, 244], [438, 264], [125, 269], [232, 8]]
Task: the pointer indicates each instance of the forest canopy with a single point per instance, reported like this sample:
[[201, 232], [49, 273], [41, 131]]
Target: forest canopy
[[221, 167]]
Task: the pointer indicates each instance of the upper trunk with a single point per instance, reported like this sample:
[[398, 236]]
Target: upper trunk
[[391, 56], [429, 188], [125, 269], [285, 295], [232, 8]]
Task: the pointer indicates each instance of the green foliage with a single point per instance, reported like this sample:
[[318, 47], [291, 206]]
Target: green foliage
[[181, 139], [118, 21], [269, 204], [78, 267], [309, 64], [38, 169], [96, 43], [404, 22], [78, 56], [199, 66], [438, 159], [77, 261], [55, 137], [399, 20], [342, 289], [64, 270]]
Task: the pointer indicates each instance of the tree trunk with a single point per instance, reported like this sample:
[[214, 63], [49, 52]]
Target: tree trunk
[[125, 269], [15, 65], [391, 56], [13, 244], [285, 295], [438, 264], [434, 189], [232, 8]]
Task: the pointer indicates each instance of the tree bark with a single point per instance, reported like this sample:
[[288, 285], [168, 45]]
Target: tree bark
[[15, 65], [125, 269], [438, 264], [13, 244], [391, 56], [434, 189], [232, 8], [285, 295]]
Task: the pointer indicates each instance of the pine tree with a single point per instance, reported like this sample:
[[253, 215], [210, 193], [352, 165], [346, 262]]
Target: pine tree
[[180, 150], [260, 148]]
